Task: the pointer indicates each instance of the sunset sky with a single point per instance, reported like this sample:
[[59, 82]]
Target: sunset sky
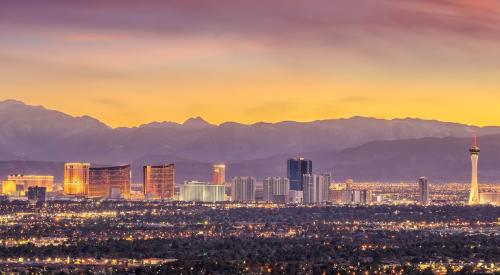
[[128, 62]]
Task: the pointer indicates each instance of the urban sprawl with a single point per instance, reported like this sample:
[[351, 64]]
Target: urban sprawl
[[97, 220]]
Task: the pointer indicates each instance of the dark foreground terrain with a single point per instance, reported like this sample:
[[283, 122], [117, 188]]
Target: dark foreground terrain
[[169, 238]]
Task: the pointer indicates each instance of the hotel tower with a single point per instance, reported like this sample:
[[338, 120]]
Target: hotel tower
[[76, 178], [474, 188], [219, 174]]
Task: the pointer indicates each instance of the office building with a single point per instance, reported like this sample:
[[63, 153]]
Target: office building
[[159, 181], [423, 187], [243, 189], [276, 190], [296, 168], [36, 194], [219, 174], [474, 186], [336, 194], [28, 181], [316, 188], [76, 178], [105, 179], [195, 191]]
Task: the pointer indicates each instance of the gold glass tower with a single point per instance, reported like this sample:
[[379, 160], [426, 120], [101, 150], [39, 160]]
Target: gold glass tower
[[219, 174], [76, 178], [159, 181], [474, 187]]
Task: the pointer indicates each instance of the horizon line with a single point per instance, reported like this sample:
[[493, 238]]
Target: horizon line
[[200, 117]]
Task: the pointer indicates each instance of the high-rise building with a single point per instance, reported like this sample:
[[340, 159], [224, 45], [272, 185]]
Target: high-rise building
[[28, 181], [195, 191], [36, 193], [276, 190], [105, 181], [296, 168], [219, 174], [336, 193], [159, 181], [423, 187], [316, 188], [76, 178], [243, 189], [474, 187], [357, 196]]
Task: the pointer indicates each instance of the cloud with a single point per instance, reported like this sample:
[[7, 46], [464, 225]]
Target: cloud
[[269, 20]]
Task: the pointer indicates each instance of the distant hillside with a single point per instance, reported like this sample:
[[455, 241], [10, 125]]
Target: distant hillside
[[440, 159], [35, 133]]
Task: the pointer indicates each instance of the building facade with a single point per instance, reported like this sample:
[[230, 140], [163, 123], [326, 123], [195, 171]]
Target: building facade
[[219, 174], [195, 191], [159, 181], [12, 188], [76, 178], [296, 168], [316, 188], [243, 189], [423, 188], [28, 181], [357, 197], [36, 194], [276, 190], [107, 181], [489, 198]]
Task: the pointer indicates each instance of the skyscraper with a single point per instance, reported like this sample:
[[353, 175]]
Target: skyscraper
[[106, 181], [296, 168], [219, 174], [159, 181], [76, 178], [316, 188], [474, 187], [423, 187], [276, 189], [243, 189]]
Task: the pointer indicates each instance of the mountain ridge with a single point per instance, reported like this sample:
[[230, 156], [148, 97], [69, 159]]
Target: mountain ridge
[[38, 134], [440, 159]]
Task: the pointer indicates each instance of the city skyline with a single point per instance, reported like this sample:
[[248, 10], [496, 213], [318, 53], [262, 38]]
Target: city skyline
[[250, 137]]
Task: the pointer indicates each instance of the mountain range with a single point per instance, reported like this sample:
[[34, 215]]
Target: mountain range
[[35, 139]]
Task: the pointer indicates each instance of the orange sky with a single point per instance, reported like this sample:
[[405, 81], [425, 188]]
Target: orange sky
[[128, 62]]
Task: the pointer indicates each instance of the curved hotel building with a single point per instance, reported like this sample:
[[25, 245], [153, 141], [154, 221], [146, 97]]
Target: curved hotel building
[[110, 182]]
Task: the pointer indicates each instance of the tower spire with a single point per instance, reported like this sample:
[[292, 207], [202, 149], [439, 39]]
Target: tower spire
[[474, 188]]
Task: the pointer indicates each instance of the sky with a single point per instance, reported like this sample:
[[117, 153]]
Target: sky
[[128, 62]]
